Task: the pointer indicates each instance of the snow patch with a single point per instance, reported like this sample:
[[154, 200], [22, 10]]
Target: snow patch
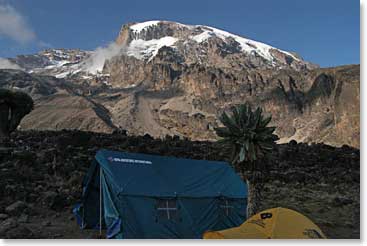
[[87, 77], [247, 45], [57, 64], [130, 86], [141, 26], [106, 83], [75, 71], [142, 49], [62, 75], [202, 36]]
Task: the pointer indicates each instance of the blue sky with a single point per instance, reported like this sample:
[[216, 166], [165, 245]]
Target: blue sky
[[325, 32]]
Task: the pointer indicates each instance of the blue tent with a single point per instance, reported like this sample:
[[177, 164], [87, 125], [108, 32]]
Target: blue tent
[[150, 196]]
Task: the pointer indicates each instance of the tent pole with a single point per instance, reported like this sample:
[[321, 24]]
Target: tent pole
[[100, 201], [83, 217]]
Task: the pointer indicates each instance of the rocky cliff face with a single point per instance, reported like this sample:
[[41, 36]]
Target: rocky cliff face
[[202, 71], [164, 78]]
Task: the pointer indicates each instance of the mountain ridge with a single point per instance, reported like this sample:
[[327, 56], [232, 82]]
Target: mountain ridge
[[55, 58], [179, 88]]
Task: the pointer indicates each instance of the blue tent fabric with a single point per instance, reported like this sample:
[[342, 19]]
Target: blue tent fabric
[[151, 196]]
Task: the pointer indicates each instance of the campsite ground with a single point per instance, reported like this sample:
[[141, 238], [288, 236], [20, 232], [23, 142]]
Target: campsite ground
[[336, 213], [41, 173]]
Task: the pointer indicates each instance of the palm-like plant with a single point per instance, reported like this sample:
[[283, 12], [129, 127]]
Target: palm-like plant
[[248, 135], [14, 105]]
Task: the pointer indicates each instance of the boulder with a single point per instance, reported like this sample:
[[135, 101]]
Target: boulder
[[341, 201], [24, 156], [54, 200], [293, 142], [16, 208], [3, 216], [19, 232], [46, 223], [6, 225], [5, 151], [24, 218]]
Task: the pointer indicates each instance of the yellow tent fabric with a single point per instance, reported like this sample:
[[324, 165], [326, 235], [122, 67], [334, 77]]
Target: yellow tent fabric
[[281, 223]]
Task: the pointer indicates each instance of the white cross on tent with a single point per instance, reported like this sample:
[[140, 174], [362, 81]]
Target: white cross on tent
[[167, 208], [227, 207]]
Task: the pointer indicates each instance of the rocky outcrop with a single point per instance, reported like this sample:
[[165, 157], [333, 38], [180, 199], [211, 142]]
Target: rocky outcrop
[[62, 111], [59, 104], [306, 106]]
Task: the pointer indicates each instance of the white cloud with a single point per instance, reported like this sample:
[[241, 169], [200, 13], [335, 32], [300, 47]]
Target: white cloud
[[96, 62], [13, 25], [6, 64], [43, 44]]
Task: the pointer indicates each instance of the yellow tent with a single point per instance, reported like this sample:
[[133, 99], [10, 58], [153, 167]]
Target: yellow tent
[[279, 223]]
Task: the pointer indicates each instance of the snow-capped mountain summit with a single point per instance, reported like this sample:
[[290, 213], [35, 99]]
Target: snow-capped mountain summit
[[144, 40], [165, 51], [157, 41]]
